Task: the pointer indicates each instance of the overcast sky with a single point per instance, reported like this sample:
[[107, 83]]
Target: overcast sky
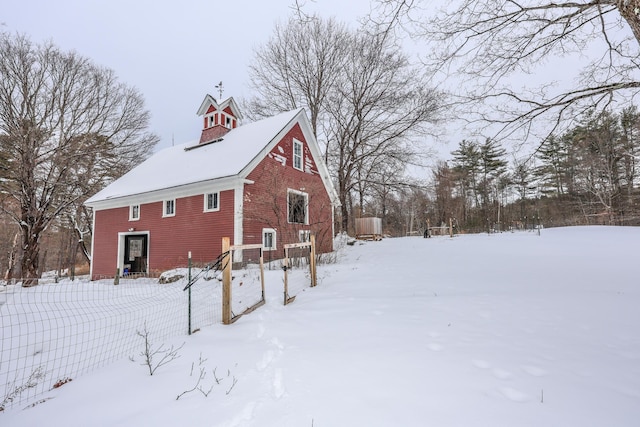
[[173, 52], [177, 52]]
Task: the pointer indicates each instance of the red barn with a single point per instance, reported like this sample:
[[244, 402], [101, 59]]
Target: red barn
[[262, 182]]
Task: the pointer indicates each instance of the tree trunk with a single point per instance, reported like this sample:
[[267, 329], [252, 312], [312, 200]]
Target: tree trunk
[[13, 255], [42, 263], [30, 257], [343, 195], [344, 211], [630, 11], [80, 234]]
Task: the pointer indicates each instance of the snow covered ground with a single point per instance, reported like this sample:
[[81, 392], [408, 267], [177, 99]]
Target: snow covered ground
[[513, 329]]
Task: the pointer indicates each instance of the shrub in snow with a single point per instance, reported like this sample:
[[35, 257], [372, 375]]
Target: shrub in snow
[[16, 390], [151, 355], [200, 382], [171, 276]]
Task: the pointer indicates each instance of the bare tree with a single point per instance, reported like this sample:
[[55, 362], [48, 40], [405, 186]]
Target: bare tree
[[67, 127], [445, 202], [378, 109], [380, 180], [365, 98], [297, 67], [485, 43]]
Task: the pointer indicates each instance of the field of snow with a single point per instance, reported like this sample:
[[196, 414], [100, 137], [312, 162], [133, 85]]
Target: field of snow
[[513, 329]]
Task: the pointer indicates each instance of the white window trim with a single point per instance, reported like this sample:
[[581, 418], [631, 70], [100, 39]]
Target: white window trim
[[297, 143], [304, 236], [206, 204], [275, 239], [164, 208], [131, 217], [210, 120], [306, 205]]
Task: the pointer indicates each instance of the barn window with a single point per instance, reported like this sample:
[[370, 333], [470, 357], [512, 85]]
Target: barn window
[[297, 154], [210, 121], [211, 202], [297, 202], [304, 236], [228, 122], [269, 239], [169, 208], [134, 212]]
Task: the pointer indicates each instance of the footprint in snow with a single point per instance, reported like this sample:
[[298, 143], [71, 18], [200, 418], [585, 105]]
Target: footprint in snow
[[514, 395], [275, 341], [278, 384], [501, 374], [435, 347], [534, 371], [481, 364], [245, 415], [267, 358]]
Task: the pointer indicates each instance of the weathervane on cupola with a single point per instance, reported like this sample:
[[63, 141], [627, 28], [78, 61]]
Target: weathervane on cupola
[[220, 89], [219, 117]]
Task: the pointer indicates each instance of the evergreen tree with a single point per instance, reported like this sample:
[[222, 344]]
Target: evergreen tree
[[630, 144], [492, 167], [444, 183], [522, 178], [466, 165], [553, 155]]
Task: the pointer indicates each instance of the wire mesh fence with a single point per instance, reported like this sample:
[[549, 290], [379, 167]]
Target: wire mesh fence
[[247, 279], [52, 333], [58, 330], [204, 305], [299, 269]]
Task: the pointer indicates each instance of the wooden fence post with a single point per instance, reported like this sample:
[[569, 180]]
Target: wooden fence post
[[312, 261], [226, 281], [116, 279], [450, 227]]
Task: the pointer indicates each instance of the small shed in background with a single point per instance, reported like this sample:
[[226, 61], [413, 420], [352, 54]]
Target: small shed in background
[[369, 228]]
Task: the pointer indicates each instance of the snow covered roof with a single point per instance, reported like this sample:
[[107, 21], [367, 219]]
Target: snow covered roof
[[191, 163], [210, 100]]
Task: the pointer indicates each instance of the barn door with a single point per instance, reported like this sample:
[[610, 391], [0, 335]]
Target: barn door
[[135, 254]]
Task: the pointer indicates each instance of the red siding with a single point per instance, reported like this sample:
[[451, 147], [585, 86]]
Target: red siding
[[191, 229], [105, 236], [266, 199], [213, 133], [171, 238]]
